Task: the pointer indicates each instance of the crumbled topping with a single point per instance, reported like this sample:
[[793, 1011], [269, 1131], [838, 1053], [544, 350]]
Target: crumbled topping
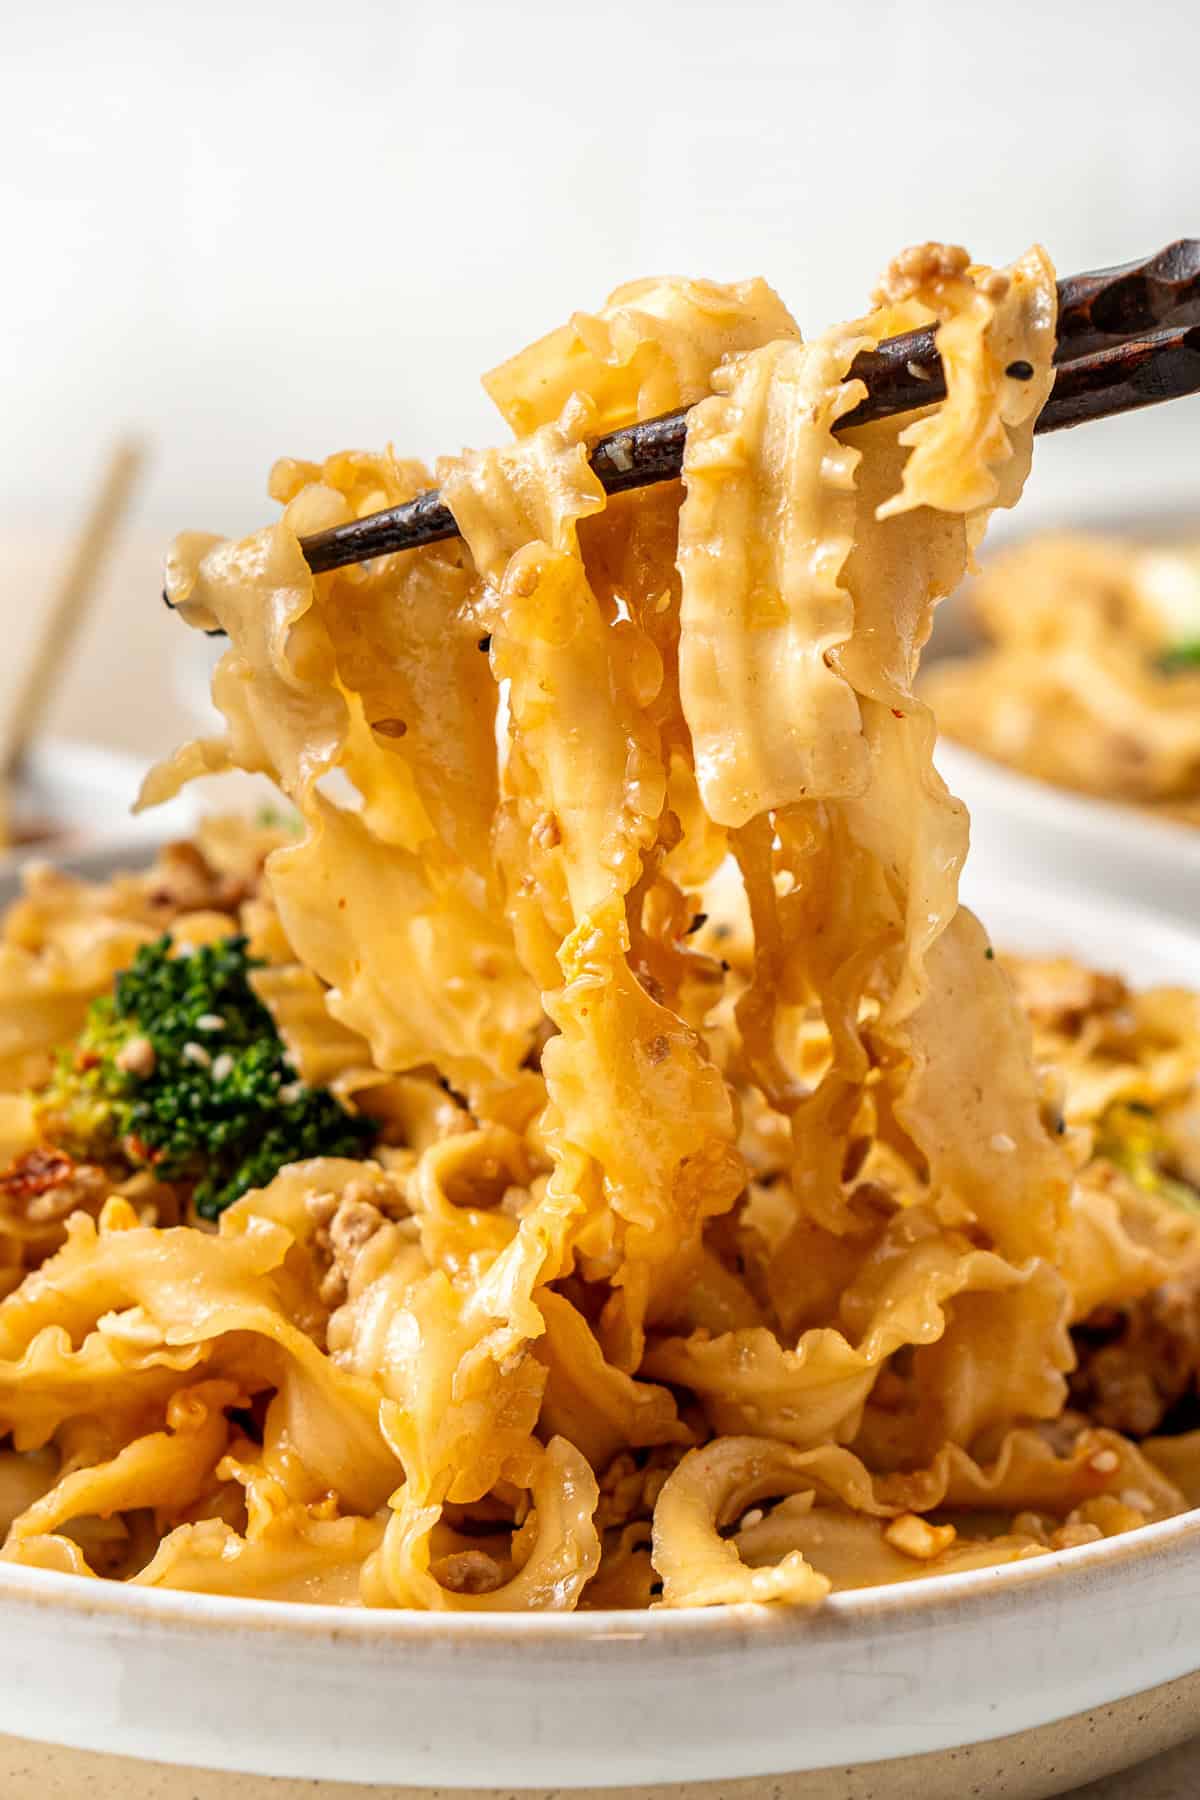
[[921, 266], [346, 1223], [916, 1537], [183, 880], [45, 1185], [1136, 1363], [468, 1572], [1059, 994]]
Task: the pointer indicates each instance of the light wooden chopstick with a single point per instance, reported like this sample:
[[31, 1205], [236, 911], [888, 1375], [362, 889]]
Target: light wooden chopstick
[[65, 614]]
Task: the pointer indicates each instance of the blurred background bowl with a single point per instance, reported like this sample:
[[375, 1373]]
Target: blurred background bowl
[[1024, 827]]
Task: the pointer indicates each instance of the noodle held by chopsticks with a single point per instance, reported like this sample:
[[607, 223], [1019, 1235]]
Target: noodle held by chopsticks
[[687, 1267]]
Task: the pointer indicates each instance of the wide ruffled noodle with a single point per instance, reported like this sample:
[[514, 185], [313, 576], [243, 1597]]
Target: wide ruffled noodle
[[715, 1249]]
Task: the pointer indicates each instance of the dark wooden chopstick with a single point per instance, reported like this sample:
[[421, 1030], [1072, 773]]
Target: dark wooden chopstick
[[1121, 378], [1103, 370], [1128, 337], [1098, 308]]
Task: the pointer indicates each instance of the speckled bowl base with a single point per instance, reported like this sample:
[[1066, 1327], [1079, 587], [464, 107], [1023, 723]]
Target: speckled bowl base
[[1030, 1765]]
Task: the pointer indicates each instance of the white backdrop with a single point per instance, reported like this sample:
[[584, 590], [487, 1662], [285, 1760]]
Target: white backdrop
[[248, 230]]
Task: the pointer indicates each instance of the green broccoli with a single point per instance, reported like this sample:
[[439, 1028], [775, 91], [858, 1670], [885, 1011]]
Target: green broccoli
[[181, 1070], [1180, 657], [1129, 1135]]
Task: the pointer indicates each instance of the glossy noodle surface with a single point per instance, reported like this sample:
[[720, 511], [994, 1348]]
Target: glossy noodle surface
[[725, 1233]]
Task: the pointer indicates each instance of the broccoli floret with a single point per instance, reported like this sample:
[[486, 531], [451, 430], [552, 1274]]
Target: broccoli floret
[[1180, 657], [1130, 1136], [278, 818], [181, 1070]]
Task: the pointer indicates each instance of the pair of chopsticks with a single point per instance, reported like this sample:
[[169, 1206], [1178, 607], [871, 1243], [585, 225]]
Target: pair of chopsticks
[[1127, 337]]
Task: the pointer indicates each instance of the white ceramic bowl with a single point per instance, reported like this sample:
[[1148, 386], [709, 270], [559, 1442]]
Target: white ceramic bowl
[[85, 793], [1021, 1681], [1045, 834]]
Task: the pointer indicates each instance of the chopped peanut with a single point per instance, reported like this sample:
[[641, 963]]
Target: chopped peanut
[[916, 1537]]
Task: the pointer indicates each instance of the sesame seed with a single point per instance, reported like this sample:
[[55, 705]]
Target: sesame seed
[[196, 1053], [1000, 1140], [754, 1517], [222, 1068], [210, 1022], [136, 1058], [1105, 1462], [291, 1092]]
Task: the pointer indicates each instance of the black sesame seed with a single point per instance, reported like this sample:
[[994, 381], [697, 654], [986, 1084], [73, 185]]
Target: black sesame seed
[[1020, 370]]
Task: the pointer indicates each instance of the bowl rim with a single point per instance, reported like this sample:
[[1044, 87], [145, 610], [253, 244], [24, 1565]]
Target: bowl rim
[[99, 819], [1000, 787], [711, 1630]]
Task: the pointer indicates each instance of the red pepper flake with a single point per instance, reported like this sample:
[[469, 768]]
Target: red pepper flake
[[896, 713], [138, 1151], [36, 1173]]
